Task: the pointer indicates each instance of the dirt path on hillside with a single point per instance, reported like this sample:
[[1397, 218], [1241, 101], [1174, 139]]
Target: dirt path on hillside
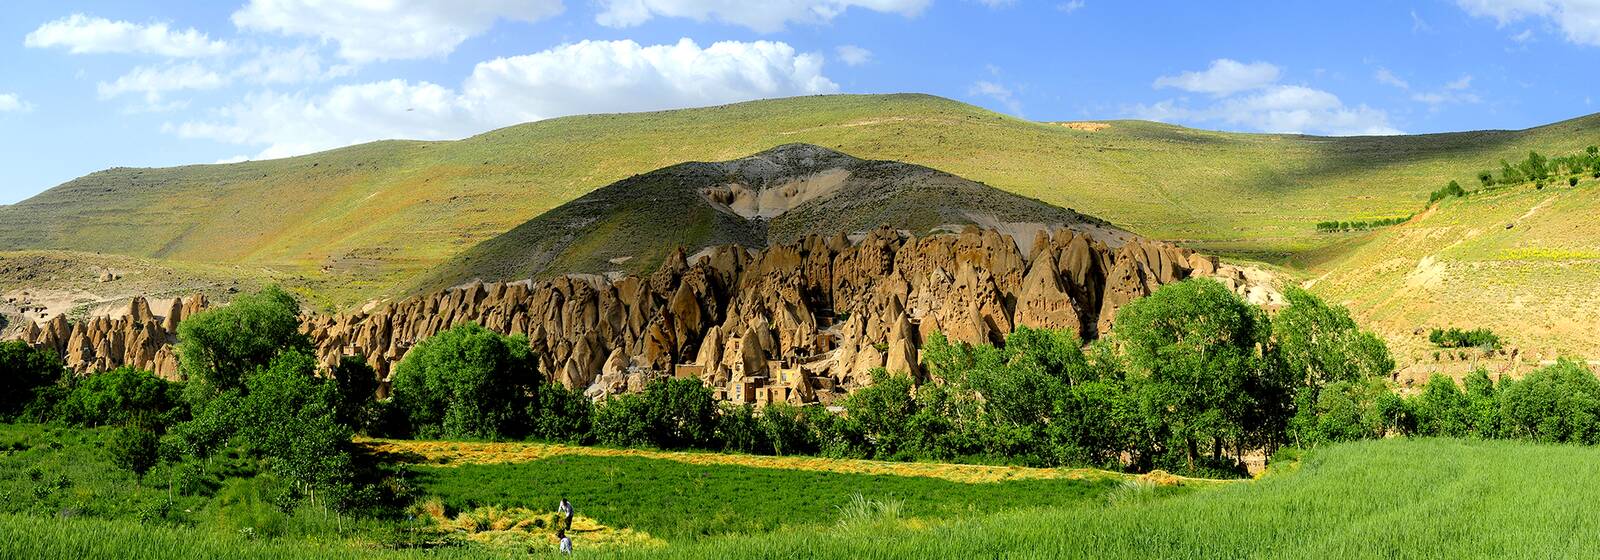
[[450, 453]]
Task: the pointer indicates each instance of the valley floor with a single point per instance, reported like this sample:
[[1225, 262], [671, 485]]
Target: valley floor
[[1395, 498]]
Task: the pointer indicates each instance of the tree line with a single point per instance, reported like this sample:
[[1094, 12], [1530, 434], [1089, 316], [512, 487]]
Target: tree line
[[1190, 379]]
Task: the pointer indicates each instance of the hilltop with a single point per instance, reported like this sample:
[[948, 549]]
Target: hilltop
[[360, 222], [778, 196]]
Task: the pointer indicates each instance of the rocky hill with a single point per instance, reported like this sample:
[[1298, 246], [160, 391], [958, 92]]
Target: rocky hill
[[778, 196], [794, 322]]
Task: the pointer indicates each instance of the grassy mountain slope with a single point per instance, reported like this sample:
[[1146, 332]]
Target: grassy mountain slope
[[1521, 261], [777, 196], [361, 220]]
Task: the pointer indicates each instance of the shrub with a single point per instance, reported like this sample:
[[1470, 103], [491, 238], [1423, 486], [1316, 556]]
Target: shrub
[[1456, 338], [1486, 178], [1572, 181], [1441, 409], [1451, 190]]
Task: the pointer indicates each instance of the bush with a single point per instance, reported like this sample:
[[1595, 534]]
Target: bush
[[1486, 178], [1456, 338], [1451, 190], [1572, 181], [669, 414], [1442, 410], [467, 382]]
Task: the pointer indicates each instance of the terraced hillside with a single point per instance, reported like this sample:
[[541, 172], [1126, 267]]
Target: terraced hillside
[[778, 196], [1520, 261], [359, 221]]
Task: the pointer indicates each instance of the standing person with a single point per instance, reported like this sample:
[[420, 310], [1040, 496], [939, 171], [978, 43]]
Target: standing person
[[566, 543], [565, 509]]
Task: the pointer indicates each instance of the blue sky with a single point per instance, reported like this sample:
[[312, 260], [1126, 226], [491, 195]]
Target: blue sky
[[90, 85]]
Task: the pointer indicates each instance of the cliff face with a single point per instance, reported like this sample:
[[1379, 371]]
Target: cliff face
[[802, 322], [138, 338]]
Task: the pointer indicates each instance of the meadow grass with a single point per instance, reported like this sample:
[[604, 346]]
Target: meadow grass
[[678, 501], [1396, 498]]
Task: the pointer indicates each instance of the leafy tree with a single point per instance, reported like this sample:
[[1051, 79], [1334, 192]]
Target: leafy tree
[[1319, 343], [1441, 409], [681, 412], [1191, 351], [882, 409], [26, 373], [467, 382], [1556, 404], [1342, 411], [221, 347], [121, 396], [560, 414], [1483, 399], [789, 429], [135, 448], [356, 386]]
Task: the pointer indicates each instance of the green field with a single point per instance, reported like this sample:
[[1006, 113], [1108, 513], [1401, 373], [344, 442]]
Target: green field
[[1396, 498], [357, 222]]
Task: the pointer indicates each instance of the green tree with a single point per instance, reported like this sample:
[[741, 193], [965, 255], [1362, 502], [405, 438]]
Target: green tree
[[135, 448], [356, 385], [1442, 410], [882, 410], [1486, 178], [1556, 404], [26, 374], [681, 413], [467, 382], [1319, 343], [121, 396], [1192, 354], [221, 347]]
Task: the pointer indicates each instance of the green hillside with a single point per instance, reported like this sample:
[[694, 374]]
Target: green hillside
[[1521, 261], [358, 222]]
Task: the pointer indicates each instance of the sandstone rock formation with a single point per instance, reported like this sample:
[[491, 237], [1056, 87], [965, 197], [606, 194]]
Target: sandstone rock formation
[[803, 322]]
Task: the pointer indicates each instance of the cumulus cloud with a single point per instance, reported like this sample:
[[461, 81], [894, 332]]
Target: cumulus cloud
[[153, 82], [81, 34], [998, 92], [387, 30], [853, 55], [1223, 77], [289, 66], [13, 103], [1579, 20], [765, 17], [585, 77], [1248, 96]]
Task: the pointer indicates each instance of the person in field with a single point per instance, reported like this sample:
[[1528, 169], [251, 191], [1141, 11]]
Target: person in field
[[565, 509], [566, 543]]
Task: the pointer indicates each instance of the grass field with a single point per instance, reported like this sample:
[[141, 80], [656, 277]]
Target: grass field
[[1393, 498], [358, 221], [1521, 261]]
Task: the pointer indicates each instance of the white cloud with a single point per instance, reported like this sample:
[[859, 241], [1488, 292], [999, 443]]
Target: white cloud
[[234, 159], [853, 55], [997, 4], [81, 34], [1419, 25], [289, 66], [586, 77], [1384, 76], [1579, 20], [154, 81], [13, 103], [1282, 109], [1070, 6], [997, 92], [389, 30], [766, 17], [1224, 77], [1464, 82], [1248, 96]]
